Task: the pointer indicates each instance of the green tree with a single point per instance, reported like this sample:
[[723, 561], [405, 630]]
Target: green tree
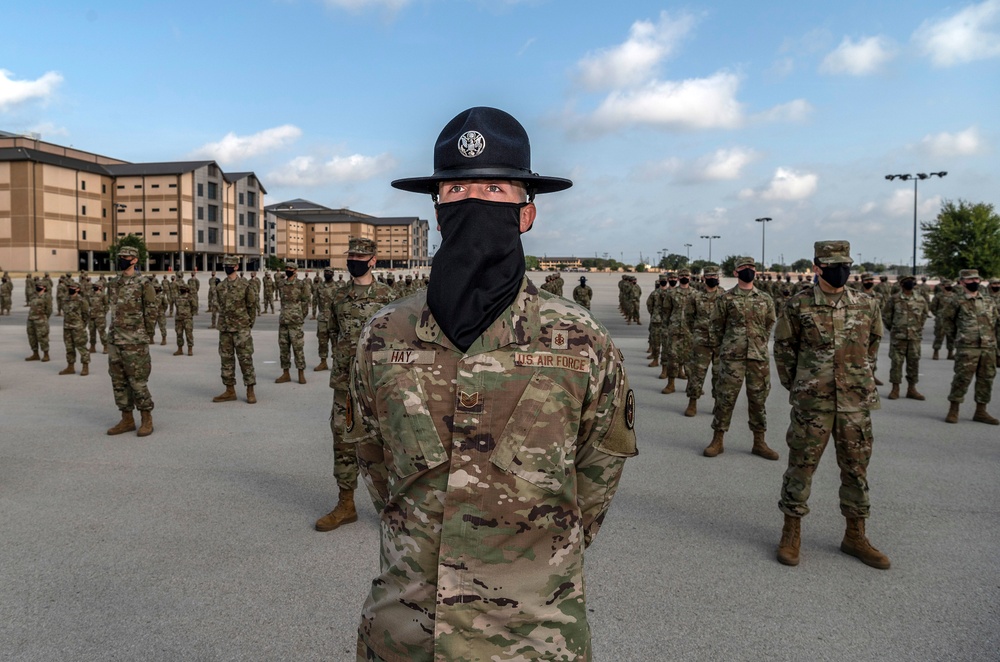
[[132, 240], [673, 262], [699, 265], [963, 236], [802, 265], [531, 263], [640, 268], [728, 266], [777, 268], [275, 263]]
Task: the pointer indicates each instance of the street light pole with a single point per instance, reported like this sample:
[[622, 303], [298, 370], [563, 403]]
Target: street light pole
[[688, 246], [710, 237], [764, 220], [916, 178]]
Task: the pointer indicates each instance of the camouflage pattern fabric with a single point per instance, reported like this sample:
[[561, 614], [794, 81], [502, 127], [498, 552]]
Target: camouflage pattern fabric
[[904, 317], [295, 295], [29, 289], [237, 303], [161, 314], [193, 286], [655, 322], [268, 293], [583, 295], [491, 470], [705, 339], [697, 369], [324, 294], [183, 318], [98, 318], [940, 306], [61, 293], [823, 347], [676, 308], [129, 367], [39, 312], [974, 324], [76, 317], [133, 315], [6, 295]]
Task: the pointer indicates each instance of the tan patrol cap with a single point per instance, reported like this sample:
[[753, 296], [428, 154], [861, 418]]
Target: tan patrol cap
[[968, 273], [231, 260], [745, 262], [361, 246], [710, 270], [833, 252]]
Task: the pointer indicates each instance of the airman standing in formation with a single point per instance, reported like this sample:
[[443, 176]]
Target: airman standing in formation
[[76, 317], [268, 284], [256, 284], [237, 303], [295, 296], [676, 307], [133, 316], [6, 294], [582, 293], [161, 313], [943, 300], [29, 289], [655, 323], [40, 310], [213, 306], [324, 294], [173, 291], [61, 291], [973, 322], [98, 318], [349, 307], [823, 349], [184, 318], [904, 317], [705, 339], [314, 292], [548, 285], [194, 286]]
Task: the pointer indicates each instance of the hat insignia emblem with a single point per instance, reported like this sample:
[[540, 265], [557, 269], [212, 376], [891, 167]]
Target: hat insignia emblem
[[471, 144]]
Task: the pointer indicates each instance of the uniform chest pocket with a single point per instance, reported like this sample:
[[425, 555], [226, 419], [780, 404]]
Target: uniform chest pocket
[[816, 331], [413, 439], [537, 443]]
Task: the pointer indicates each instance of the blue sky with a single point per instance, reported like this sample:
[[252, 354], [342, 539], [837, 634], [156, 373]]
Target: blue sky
[[673, 120]]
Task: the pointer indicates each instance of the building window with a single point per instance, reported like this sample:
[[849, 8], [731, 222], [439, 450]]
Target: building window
[[83, 185], [201, 190], [213, 213], [85, 235], [138, 210], [104, 212], [121, 187], [104, 188], [173, 209], [213, 191], [201, 236], [156, 234], [241, 219], [241, 240], [252, 239], [251, 198], [201, 213], [83, 210], [137, 186], [156, 209], [171, 185], [213, 236], [174, 234], [251, 219], [104, 236], [156, 186], [241, 198]]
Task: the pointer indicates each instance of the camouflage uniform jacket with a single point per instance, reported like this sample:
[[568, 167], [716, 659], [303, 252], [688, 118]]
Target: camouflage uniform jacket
[[972, 321], [491, 471], [652, 306], [41, 307], [704, 323], [255, 285], [184, 306], [295, 295], [7, 288], [676, 307], [823, 349], [324, 296], [349, 307], [745, 320], [76, 312], [98, 304], [237, 303], [582, 294], [942, 302], [134, 309], [905, 315]]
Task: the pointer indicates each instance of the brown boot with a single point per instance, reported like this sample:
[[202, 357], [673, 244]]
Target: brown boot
[[93, 348], [912, 393], [951, 355], [761, 448], [715, 448], [663, 372], [180, 351], [952, 416], [190, 350], [321, 367], [343, 513], [45, 357], [879, 382], [104, 349], [34, 357], [692, 408], [856, 544], [788, 548], [655, 362], [669, 388], [127, 424], [251, 397], [85, 370], [983, 416], [302, 376], [68, 370], [163, 341], [146, 424], [228, 395], [894, 393], [936, 356], [285, 377]]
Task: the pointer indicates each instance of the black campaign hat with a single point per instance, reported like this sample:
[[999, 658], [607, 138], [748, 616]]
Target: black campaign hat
[[482, 143]]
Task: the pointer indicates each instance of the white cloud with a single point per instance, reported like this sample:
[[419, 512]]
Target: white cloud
[[901, 204], [696, 103], [796, 110], [361, 5], [634, 61], [307, 171], [971, 34], [963, 143], [724, 164], [789, 185], [14, 92], [233, 148], [858, 58], [48, 130]]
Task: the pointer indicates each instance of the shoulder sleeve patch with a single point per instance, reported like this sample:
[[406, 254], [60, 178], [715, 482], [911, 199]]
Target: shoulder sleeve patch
[[620, 438]]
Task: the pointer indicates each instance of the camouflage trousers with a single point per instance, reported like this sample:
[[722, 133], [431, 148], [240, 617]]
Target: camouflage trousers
[[697, 368], [323, 338], [366, 654], [969, 363], [38, 334], [732, 374], [233, 346], [939, 335], [268, 303], [345, 458], [675, 349], [75, 339], [129, 367], [5, 303], [215, 318], [184, 327], [290, 339], [161, 321], [654, 339], [807, 436], [901, 351], [96, 327]]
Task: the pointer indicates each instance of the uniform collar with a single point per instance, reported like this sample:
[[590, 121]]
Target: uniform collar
[[833, 300]]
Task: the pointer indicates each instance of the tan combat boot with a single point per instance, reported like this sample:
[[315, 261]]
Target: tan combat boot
[[663, 372], [146, 425], [715, 448], [85, 370], [322, 366], [655, 362], [251, 397], [180, 351], [983, 416], [227, 396], [302, 376], [45, 357], [894, 393], [952, 416], [936, 355], [285, 377], [856, 544], [878, 382], [163, 341], [68, 370], [104, 349], [788, 548], [127, 424], [912, 393], [761, 448], [669, 388], [692, 407], [34, 357], [951, 355], [93, 348], [343, 513], [190, 350]]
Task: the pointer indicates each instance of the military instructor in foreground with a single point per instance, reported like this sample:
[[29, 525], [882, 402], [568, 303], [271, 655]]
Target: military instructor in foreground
[[492, 421]]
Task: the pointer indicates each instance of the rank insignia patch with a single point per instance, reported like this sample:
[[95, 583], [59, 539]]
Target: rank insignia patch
[[630, 410], [560, 338]]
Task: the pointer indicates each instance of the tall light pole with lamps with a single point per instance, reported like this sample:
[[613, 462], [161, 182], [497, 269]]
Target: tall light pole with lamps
[[688, 246], [710, 237], [763, 220], [916, 178]]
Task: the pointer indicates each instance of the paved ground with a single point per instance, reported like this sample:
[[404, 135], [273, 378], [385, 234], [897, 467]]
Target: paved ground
[[196, 543]]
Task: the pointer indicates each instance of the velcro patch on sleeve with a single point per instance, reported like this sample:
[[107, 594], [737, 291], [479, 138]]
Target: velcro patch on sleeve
[[404, 356]]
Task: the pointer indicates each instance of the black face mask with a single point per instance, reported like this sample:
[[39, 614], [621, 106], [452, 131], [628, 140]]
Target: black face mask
[[994, 288], [39, 289], [328, 277], [124, 263], [869, 285], [712, 282], [972, 287], [357, 268], [947, 288], [836, 274], [908, 285], [685, 281], [478, 268], [74, 292], [672, 283], [289, 274], [662, 284], [230, 269], [746, 275]]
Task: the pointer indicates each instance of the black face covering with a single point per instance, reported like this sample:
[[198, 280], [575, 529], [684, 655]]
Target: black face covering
[[357, 268], [994, 288], [746, 275], [836, 274], [230, 269], [124, 263], [684, 281], [947, 288], [712, 282], [289, 273], [672, 283], [478, 268], [972, 287], [869, 284], [328, 277], [908, 285]]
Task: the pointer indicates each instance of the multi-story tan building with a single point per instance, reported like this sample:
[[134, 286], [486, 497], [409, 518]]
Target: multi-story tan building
[[316, 236], [61, 208]]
